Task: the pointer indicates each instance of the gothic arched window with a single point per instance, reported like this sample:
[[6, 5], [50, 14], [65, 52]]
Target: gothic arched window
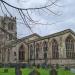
[[21, 53], [8, 54], [55, 52], [69, 43], [45, 49], [37, 50], [45, 46], [31, 52]]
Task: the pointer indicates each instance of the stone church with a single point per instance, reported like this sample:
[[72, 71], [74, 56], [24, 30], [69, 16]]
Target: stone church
[[57, 48]]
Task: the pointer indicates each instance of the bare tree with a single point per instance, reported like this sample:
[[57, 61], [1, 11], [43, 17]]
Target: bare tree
[[25, 12], [26, 17]]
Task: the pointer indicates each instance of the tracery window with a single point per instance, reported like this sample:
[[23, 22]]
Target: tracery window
[[37, 50], [69, 43], [55, 51], [45, 49], [10, 37], [31, 52], [45, 46], [21, 53], [14, 53], [8, 54]]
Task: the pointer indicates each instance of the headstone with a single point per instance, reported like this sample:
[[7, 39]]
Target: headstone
[[34, 72], [0, 65], [43, 65], [30, 66], [18, 71], [38, 66], [72, 70], [57, 66], [67, 68], [5, 70], [53, 72], [48, 66]]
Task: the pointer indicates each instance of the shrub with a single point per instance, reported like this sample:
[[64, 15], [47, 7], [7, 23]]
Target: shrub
[[33, 64], [5, 70], [38, 66], [48, 66], [44, 66], [1, 65], [57, 66]]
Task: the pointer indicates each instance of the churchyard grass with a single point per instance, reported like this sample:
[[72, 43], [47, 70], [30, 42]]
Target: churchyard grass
[[26, 71], [64, 72], [46, 71], [11, 71]]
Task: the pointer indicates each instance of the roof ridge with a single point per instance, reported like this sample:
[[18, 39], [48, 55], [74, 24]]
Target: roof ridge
[[66, 30], [31, 35]]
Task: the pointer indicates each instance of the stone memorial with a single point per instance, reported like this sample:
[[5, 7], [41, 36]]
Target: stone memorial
[[72, 70], [34, 72], [5, 70], [18, 71], [53, 72]]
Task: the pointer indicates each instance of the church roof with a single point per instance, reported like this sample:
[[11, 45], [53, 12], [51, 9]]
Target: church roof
[[60, 33], [17, 41], [51, 35], [55, 34], [29, 36]]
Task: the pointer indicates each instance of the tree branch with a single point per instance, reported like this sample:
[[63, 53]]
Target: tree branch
[[28, 8]]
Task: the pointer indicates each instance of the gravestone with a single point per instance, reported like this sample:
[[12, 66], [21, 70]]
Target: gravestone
[[57, 66], [38, 66], [44, 65], [67, 68], [18, 71], [53, 72], [48, 66], [5, 70], [72, 70], [34, 72]]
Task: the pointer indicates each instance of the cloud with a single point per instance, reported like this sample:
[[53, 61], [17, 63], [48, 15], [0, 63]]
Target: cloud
[[65, 21]]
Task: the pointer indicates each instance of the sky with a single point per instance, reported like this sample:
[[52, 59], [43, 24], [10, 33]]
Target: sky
[[64, 20]]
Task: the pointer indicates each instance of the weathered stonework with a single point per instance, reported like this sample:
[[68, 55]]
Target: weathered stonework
[[10, 52]]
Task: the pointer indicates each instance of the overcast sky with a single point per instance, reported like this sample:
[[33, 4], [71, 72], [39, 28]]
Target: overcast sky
[[66, 20]]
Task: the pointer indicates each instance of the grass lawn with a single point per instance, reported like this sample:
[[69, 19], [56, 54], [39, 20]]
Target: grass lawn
[[26, 71], [46, 71], [65, 72], [11, 71]]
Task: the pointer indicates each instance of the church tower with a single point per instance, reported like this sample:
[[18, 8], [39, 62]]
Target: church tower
[[9, 25], [8, 33]]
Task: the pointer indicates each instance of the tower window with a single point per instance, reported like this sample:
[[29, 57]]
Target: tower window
[[10, 37], [14, 53], [10, 26]]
